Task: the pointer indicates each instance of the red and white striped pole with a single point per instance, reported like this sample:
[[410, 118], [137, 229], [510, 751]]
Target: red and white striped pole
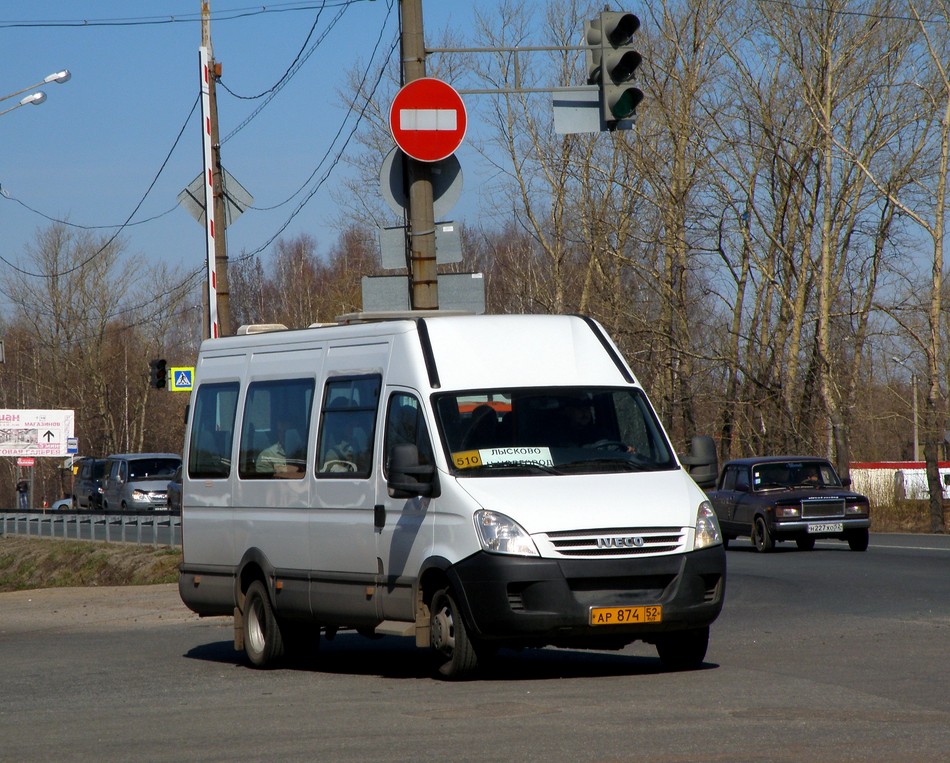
[[204, 55]]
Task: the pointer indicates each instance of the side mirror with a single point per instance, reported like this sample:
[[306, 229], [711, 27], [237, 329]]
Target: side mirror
[[702, 463], [407, 477]]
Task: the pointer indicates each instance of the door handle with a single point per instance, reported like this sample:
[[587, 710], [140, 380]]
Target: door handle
[[379, 516]]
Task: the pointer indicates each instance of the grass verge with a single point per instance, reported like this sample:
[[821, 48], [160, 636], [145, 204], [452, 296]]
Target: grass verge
[[27, 563]]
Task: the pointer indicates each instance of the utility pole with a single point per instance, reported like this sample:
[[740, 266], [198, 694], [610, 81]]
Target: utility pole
[[422, 263], [218, 309]]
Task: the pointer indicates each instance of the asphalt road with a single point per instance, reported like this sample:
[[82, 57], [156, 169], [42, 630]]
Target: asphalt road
[[823, 656]]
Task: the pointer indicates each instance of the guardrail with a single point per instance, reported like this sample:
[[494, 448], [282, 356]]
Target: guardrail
[[160, 528]]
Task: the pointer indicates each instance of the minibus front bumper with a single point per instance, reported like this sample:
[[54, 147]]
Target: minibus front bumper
[[532, 601]]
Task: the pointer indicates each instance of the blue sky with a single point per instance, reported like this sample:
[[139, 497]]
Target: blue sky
[[89, 153]]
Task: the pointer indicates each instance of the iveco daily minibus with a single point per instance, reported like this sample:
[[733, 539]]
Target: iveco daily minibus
[[472, 482]]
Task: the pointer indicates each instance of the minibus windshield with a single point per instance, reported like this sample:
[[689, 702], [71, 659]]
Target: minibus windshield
[[543, 431]]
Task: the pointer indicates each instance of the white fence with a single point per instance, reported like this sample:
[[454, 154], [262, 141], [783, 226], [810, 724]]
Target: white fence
[[886, 483]]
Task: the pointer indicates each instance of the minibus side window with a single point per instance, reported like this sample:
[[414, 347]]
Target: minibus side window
[[348, 427], [405, 424], [212, 427], [275, 429]]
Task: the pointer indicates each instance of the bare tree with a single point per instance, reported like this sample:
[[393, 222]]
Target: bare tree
[[923, 199]]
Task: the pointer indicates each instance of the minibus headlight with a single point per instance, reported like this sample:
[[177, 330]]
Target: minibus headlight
[[707, 527], [502, 535], [139, 495]]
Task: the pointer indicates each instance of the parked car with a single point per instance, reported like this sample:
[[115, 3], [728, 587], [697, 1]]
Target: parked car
[[778, 498], [135, 481], [87, 487], [174, 492], [63, 504]]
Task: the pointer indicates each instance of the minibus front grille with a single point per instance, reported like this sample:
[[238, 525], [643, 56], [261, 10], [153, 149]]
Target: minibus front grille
[[613, 542]]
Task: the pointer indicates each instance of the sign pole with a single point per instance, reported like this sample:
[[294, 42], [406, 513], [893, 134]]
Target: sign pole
[[421, 239]]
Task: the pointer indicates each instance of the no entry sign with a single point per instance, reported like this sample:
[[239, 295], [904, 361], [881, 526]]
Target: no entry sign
[[428, 120]]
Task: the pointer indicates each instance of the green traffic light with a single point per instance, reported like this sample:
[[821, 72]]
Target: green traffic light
[[627, 103]]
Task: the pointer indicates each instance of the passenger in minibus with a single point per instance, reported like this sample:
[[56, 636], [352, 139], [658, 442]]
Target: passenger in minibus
[[273, 459]]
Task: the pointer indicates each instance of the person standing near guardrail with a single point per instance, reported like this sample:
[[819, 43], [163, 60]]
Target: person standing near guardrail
[[23, 492]]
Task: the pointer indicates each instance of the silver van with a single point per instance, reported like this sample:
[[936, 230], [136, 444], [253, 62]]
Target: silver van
[[136, 481]]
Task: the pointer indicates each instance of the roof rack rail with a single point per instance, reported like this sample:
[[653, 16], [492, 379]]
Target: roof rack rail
[[396, 315], [259, 328]]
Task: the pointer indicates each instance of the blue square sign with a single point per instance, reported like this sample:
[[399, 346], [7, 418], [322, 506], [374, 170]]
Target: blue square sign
[[182, 378]]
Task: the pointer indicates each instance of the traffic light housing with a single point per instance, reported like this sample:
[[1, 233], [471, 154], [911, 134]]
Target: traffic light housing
[[158, 377], [612, 62]]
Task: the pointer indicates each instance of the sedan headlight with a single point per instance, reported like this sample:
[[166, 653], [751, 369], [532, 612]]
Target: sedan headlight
[[707, 527], [502, 535]]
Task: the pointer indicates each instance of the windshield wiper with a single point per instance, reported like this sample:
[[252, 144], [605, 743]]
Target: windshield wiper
[[622, 464], [529, 466]]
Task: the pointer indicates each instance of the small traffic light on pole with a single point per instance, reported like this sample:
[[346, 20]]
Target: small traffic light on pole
[[158, 377], [611, 63]]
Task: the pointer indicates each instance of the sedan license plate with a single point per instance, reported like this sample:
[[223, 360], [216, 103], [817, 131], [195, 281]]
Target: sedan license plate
[[625, 615], [825, 527]]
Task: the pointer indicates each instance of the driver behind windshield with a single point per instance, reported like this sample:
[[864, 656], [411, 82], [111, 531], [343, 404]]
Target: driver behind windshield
[[580, 427], [583, 429], [810, 476]]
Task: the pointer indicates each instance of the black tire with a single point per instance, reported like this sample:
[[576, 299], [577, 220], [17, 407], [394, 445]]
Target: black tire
[[858, 539], [683, 650], [805, 543], [761, 537], [263, 642], [450, 639]]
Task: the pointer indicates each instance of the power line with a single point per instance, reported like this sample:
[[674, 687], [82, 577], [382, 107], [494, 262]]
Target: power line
[[284, 80], [184, 18], [288, 73], [336, 161], [69, 224], [299, 60], [122, 227]]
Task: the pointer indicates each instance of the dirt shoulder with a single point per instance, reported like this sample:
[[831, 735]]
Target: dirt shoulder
[[46, 584], [97, 608]]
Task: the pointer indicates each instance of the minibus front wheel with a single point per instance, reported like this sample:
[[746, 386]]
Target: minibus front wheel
[[683, 650], [450, 638], [263, 643]]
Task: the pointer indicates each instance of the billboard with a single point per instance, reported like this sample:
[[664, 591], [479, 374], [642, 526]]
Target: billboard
[[36, 432]]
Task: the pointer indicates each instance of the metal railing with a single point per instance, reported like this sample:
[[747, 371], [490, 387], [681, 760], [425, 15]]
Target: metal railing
[[159, 528]]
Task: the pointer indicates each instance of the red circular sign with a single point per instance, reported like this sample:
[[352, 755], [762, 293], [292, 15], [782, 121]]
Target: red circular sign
[[428, 120]]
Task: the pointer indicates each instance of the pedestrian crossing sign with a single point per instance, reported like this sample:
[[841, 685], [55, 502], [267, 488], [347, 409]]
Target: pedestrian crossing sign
[[182, 378]]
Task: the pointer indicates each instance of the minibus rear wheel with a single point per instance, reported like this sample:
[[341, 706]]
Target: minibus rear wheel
[[450, 638], [263, 643]]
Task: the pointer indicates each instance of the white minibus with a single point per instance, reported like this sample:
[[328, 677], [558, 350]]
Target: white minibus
[[472, 482]]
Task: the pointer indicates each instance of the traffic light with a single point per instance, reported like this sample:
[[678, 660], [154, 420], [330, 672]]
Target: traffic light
[[158, 377], [611, 63]]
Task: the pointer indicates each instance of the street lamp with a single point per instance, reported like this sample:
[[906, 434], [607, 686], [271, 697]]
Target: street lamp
[[35, 98], [913, 382], [38, 97]]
